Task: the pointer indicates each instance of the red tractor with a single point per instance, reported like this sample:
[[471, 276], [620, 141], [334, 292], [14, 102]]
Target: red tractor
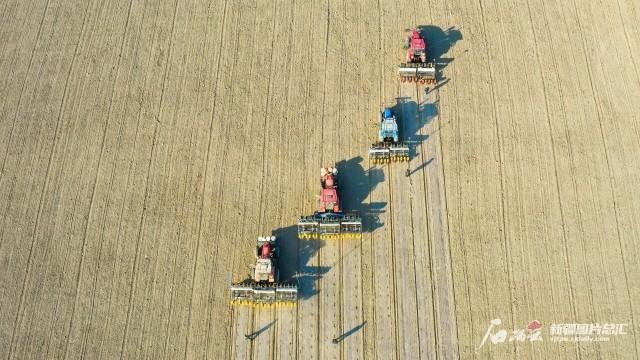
[[329, 194], [417, 68], [330, 221], [265, 288]]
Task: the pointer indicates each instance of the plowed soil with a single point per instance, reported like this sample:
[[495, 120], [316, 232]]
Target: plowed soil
[[144, 145]]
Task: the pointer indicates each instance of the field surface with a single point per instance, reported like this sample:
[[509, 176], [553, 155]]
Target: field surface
[[145, 144]]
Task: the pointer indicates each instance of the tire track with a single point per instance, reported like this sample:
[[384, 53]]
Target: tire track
[[303, 200], [361, 120], [381, 56], [287, 333], [134, 273], [231, 332], [447, 344], [112, 178], [15, 116], [370, 340], [408, 300], [322, 159], [44, 187], [565, 231], [600, 113], [519, 222], [223, 147], [188, 207], [548, 111], [308, 159], [207, 158], [423, 160], [454, 346], [276, 117], [309, 307], [587, 236], [246, 233], [392, 255], [532, 159], [416, 268], [26, 198], [273, 88], [619, 204], [218, 233], [261, 210], [574, 184], [458, 250], [115, 163], [29, 337], [330, 284], [127, 187], [388, 237], [16, 13], [289, 120], [94, 192], [350, 121], [8, 202], [264, 347], [416, 94], [180, 225], [628, 43], [498, 135]]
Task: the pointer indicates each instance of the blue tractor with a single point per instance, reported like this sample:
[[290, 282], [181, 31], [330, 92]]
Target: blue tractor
[[388, 148]]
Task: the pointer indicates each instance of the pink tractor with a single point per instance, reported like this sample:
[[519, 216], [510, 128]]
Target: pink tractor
[[417, 68]]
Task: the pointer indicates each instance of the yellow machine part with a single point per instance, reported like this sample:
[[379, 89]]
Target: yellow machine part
[[338, 236], [264, 305], [395, 158]]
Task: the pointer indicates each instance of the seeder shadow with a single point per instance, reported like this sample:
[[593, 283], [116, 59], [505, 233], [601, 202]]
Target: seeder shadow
[[295, 258], [257, 333], [422, 166], [413, 117], [351, 332], [439, 42], [356, 184]]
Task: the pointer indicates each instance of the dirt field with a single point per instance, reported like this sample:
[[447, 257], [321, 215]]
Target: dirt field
[[144, 145]]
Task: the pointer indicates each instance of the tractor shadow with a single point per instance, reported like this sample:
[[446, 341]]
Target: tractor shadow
[[298, 256], [295, 261], [439, 42], [413, 117], [356, 185]]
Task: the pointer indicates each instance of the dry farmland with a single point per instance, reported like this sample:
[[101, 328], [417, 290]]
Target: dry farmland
[[145, 144]]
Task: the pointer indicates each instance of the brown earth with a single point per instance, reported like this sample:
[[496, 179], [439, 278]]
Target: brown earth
[[145, 144]]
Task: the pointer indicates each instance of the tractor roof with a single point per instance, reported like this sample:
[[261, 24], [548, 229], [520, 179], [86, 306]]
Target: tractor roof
[[417, 42]]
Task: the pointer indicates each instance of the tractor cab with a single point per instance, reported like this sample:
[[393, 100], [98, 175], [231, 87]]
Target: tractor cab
[[264, 271], [329, 201], [265, 251], [417, 48], [388, 127], [417, 42]]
